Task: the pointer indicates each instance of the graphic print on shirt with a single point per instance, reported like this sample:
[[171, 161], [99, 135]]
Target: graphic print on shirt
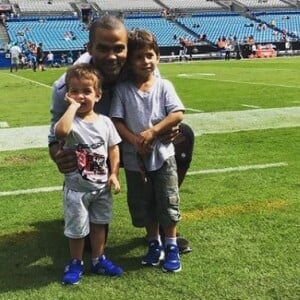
[[91, 164]]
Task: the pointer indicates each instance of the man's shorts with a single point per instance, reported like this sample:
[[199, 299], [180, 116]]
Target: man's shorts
[[83, 208], [157, 199], [184, 145], [15, 60]]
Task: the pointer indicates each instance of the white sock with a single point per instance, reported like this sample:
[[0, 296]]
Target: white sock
[[96, 260], [170, 241]]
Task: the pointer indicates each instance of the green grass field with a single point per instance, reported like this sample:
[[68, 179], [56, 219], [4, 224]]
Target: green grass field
[[239, 202]]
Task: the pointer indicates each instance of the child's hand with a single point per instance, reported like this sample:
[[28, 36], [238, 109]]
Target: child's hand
[[113, 181], [141, 146], [70, 100], [148, 136]]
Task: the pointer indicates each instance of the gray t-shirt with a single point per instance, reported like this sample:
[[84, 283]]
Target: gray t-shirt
[[91, 142], [142, 110]]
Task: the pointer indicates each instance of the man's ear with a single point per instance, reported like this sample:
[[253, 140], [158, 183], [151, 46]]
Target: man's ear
[[99, 95], [89, 47]]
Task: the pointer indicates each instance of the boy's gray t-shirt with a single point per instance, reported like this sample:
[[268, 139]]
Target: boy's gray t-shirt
[[142, 110], [91, 142]]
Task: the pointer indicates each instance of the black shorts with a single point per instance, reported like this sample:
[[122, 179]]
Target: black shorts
[[184, 146]]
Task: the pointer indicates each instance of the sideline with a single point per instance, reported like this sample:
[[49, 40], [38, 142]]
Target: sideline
[[209, 171]]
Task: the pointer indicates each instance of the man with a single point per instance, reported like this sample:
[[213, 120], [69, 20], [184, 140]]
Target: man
[[15, 52], [107, 51]]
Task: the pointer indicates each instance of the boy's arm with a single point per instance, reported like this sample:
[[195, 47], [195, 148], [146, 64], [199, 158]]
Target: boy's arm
[[126, 134], [165, 125], [114, 161], [64, 124]]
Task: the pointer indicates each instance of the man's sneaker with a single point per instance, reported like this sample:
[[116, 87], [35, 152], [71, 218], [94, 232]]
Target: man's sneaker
[[106, 267], [73, 272], [154, 255], [183, 245], [172, 259]]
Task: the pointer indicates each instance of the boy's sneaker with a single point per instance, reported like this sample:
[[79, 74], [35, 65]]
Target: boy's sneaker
[[172, 259], [106, 267], [73, 272], [154, 255]]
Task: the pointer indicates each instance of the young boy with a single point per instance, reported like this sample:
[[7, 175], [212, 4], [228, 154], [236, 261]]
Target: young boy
[[87, 195], [142, 109]]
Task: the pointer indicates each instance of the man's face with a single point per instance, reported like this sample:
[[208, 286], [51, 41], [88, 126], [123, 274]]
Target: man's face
[[109, 52]]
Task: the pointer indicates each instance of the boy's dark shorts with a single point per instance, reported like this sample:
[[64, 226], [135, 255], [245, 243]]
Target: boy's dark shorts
[[158, 199]]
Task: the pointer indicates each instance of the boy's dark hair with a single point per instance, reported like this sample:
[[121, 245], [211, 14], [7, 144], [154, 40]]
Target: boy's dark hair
[[139, 39], [84, 71], [108, 22]]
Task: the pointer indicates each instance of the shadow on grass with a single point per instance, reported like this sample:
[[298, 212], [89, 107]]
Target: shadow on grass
[[34, 259]]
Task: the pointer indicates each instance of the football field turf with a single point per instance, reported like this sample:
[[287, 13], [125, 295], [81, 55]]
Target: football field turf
[[239, 203]]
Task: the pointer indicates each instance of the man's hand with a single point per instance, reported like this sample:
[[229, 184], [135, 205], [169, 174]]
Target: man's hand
[[65, 159]]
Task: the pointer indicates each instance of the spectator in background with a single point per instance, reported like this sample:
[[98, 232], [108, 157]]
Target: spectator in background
[[40, 57], [15, 54], [50, 59]]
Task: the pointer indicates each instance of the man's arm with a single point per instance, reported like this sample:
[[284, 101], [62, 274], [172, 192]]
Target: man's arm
[[65, 159]]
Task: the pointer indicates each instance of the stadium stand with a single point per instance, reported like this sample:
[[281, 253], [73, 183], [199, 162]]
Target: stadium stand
[[37, 6], [200, 5], [62, 25], [128, 5], [264, 4]]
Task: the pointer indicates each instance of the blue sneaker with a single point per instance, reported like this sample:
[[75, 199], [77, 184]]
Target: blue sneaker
[[106, 267], [172, 259], [154, 255], [73, 272]]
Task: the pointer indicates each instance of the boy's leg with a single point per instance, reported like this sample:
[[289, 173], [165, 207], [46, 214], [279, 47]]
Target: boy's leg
[[100, 264], [97, 239], [76, 248], [100, 212]]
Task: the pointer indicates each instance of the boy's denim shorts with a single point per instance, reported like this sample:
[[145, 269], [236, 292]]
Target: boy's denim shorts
[[157, 200]]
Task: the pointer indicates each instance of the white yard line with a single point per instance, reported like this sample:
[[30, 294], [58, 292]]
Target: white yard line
[[209, 171], [239, 168], [26, 79], [32, 191]]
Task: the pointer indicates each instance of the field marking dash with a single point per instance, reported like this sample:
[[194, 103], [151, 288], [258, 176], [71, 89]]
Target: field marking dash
[[193, 109], [209, 171], [250, 106], [240, 168]]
